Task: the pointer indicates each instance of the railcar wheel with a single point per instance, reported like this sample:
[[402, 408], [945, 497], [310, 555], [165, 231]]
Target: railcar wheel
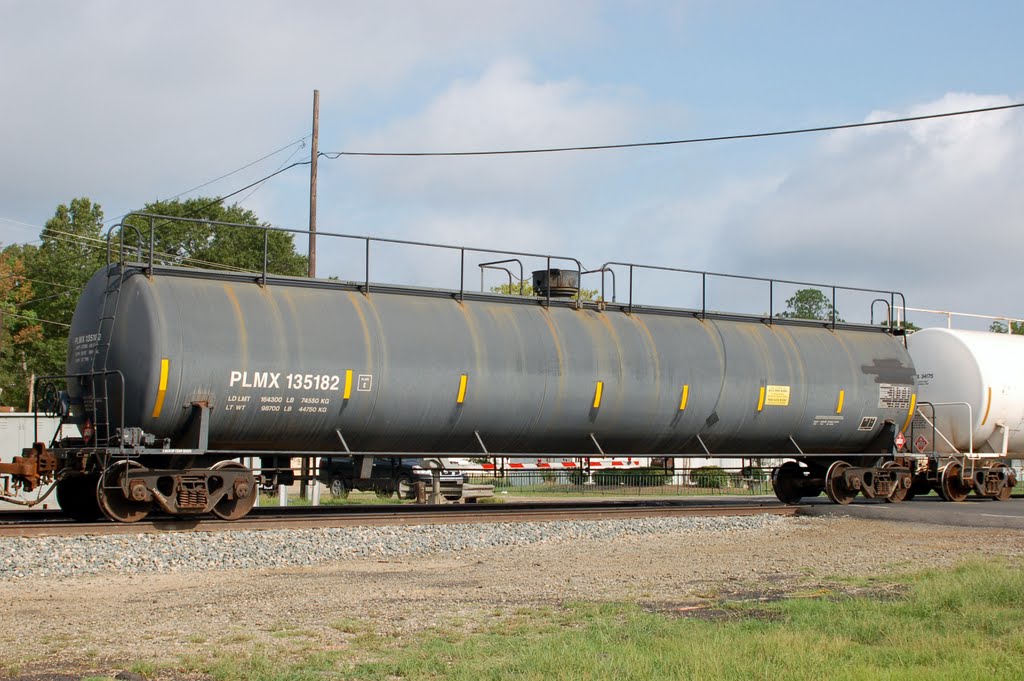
[[76, 496], [835, 488], [899, 492], [786, 482], [1011, 480], [112, 500], [244, 494], [950, 484]]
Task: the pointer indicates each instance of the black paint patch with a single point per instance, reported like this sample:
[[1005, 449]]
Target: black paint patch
[[890, 371], [711, 420]]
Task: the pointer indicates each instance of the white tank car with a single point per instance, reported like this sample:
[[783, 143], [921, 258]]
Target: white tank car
[[975, 379]]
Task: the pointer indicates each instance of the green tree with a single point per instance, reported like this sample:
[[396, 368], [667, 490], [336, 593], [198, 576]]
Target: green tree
[[200, 244], [1016, 328], [809, 303], [513, 290], [73, 248], [909, 327], [19, 326]]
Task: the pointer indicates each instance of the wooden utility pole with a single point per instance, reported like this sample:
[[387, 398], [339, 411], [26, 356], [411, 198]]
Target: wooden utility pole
[[312, 183], [304, 478]]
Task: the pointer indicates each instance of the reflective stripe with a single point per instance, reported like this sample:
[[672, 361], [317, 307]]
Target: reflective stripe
[[839, 405], [913, 405], [348, 385], [684, 398], [760, 400], [462, 389], [165, 365], [988, 405], [598, 390]]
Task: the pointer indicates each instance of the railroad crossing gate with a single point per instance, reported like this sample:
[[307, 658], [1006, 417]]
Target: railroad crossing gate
[[921, 442]]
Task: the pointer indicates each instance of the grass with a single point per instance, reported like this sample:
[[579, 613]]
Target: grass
[[966, 623]]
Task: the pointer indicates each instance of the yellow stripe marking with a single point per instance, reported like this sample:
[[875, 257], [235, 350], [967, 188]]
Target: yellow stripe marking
[[684, 398], [760, 400], [598, 391], [839, 405], [348, 385], [913, 405], [165, 365], [988, 405], [462, 389]]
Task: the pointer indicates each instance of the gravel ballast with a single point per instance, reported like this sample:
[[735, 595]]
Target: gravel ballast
[[186, 552]]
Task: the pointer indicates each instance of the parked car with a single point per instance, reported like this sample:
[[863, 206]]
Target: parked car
[[390, 475]]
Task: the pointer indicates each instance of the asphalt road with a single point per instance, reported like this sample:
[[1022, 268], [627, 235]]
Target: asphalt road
[[973, 512]]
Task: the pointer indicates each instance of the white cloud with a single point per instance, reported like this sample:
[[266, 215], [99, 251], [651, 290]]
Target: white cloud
[[128, 101], [506, 107], [931, 208], [536, 202]]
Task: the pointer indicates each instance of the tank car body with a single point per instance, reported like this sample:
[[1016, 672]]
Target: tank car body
[[971, 408], [975, 382], [287, 366]]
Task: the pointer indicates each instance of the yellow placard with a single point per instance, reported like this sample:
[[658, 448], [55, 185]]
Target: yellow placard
[[776, 395]]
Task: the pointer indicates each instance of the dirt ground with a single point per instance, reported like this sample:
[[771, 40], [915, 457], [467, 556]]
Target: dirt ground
[[52, 629]]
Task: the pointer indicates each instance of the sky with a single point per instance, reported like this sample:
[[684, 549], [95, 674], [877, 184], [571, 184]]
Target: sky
[[128, 102]]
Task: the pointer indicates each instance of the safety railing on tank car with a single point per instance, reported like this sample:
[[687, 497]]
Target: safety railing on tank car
[[891, 303], [605, 270], [152, 219]]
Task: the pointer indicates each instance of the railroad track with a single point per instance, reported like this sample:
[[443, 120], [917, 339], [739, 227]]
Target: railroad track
[[53, 523]]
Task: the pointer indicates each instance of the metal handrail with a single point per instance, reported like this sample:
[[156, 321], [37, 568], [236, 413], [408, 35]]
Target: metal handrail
[[888, 309], [549, 258], [949, 317], [603, 271], [120, 251], [606, 268], [742, 277], [493, 265]]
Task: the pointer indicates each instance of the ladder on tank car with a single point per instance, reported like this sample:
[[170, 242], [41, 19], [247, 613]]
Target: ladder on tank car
[[105, 432]]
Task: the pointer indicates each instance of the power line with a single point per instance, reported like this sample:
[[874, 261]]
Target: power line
[[333, 155], [36, 300], [44, 321], [59, 262], [260, 186], [19, 222], [249, 186], [41, 281], [301, 141], [82, 240], [195, 211]]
